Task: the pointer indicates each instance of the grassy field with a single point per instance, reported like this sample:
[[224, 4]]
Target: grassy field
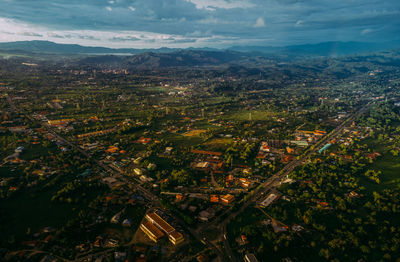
[[243, 115], [388, 164], [183, 141], [218, 143], [390, 168], [195, 132]]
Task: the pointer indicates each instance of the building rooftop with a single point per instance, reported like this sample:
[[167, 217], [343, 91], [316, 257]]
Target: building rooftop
[[161, 223], [151, 230]]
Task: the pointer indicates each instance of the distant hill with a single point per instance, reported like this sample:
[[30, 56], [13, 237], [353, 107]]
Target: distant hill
[[320, 49], [179, 58], [47, 47]]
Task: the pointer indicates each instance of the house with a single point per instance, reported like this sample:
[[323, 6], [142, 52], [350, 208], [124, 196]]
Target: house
[[168, 150], [151, 166], [214, 199], [179, 197], [264, 147], [127, 223], [244, 182], [145, 179], [287, 158], [227, 199], [112, 149], [244, 240], [98, 242], [353, 194], [143, 140], [289, 150], [138, 171]]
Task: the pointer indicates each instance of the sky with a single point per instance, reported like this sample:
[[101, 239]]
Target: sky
[[198, 23]]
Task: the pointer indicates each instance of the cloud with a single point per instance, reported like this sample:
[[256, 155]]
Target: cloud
[[259, 22], [125, 38], [30, 34], [109, 8], [366, 31], [299, 23], [55, 35], [183, 40], [212, 5]]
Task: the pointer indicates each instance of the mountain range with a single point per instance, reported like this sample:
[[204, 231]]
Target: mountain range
[[327, 49]]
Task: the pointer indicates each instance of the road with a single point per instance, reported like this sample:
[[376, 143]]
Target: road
[[119, 176]]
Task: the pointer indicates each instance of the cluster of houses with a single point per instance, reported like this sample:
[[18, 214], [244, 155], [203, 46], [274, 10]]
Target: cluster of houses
[[208, 161], [265, 154], [308, 136]]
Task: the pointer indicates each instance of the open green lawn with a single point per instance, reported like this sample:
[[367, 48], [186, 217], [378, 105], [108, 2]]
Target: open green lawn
[[256, 115], [183, 141], [388, 164]]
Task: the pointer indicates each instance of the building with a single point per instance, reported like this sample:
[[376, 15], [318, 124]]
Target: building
[[300, 143], [179, 197], [268, 201], [325, 147], [250, 258], [289, 150], [60, 121], [175, 238], [143, 140], [244, 182], [155, 227], [160, 223], [227, 199], [151, 231], [214, 199]]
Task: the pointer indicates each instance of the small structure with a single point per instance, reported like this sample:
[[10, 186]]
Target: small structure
[[268, 201], [325, 147], [227, 199]]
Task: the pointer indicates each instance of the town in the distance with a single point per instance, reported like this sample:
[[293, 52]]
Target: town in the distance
[[197, 155]]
